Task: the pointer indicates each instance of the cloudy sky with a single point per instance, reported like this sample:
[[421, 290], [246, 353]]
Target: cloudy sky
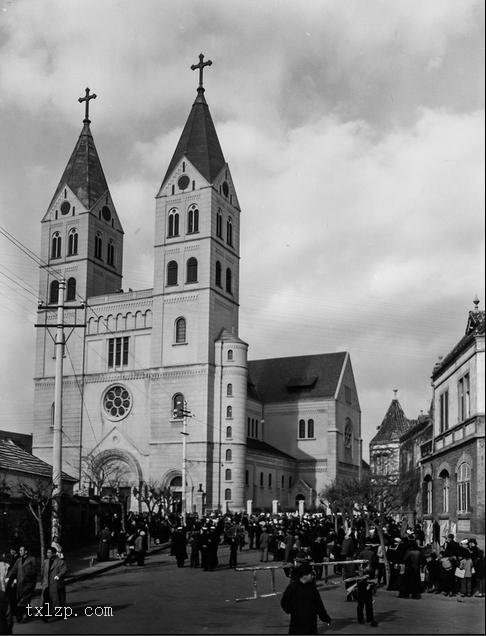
[[354, 132]]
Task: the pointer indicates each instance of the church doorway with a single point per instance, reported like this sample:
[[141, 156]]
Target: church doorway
[[113, 475], [299, 498], [175, 487]]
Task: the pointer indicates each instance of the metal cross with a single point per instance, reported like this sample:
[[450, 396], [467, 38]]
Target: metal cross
[[86, 99], [201, 66]]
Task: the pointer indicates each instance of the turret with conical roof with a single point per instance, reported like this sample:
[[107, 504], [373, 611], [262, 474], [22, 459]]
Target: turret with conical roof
[[82, 236]]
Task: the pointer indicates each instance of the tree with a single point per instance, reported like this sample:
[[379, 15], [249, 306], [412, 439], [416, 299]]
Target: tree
[[99, 474], [37, 495], [151, 494]]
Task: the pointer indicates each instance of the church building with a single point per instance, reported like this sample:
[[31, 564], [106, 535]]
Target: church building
[[149, 365]]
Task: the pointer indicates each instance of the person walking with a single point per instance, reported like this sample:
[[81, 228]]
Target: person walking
[[178, 547], [303, 602], [53, 572], [365, 587], [263, 545], [23, 573]]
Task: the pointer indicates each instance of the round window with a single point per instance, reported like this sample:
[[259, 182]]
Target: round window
[[106, 212], [183, 182], [117, 402], [65, 207]]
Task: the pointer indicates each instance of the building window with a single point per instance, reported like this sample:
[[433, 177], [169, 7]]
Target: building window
[[427, 495], [227, 494], [218, 274], [248, 429], [71, 289], [347, 394], [283, 482], [53, 414], [227, 474], [173, 229], [172, 273], [54, 293], [178, 406], [229, 232], [261, 480], [302, 429], [191, 276], [193, 220], [444, 411], [56, 245], [230, 354], [229, 431], [290, 483], [117, 402], [72, 242], [229, 411], [464, 488], [98, 246], [118, 352], [444, 475], [247, 478], [463, 395], [180, 330], [228, 455], [348, 440], [310, 428], [229, 390], [256, 428], [269, 480], [219, 224], [110, 253], [229, 285]]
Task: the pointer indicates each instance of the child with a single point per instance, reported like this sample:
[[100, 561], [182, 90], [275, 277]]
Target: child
[[466, 564], [364, 586], [432, 568]]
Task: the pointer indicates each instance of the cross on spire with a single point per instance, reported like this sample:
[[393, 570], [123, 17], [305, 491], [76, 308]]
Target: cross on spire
[[201, 66], [86, 99]]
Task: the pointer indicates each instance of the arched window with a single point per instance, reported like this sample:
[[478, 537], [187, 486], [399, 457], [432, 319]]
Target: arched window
[[229, 411], [172, 273], [229, 285], [247, 478], [173, 229], [180, 330], [283, 482], [56, 245], [310, 428], [192, 219], [464, 487], [73, 242], [227, 474], [261, 479], [178, 405], [444, 475], [54, 292], [229, 431], [98, 246], [427, 495], [110, 253], [301, 429], [71, 289], [269, 480], [228, 455], [227, 494], [290, 483], [219, 224], [218, 274], [229, 232], [53, 414], [229, 390], [230, 354], [191, 270]]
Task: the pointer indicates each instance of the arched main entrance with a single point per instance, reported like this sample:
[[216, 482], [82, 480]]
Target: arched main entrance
[[113, 474]]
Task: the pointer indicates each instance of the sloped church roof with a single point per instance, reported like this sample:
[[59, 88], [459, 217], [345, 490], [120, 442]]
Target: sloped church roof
[[394, 424], [199, 142], [83, 173]]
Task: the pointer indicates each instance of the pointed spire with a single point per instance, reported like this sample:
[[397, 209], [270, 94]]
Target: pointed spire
[[394, 424], [199, 142]]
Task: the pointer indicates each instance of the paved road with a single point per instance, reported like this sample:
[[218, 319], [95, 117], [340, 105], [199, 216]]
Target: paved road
[[160, 598]]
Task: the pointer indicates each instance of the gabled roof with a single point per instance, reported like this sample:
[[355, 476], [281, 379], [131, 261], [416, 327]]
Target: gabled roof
[[227, 336], [21, 439], [83, 173], [263, 447], [14, 458], [394, 424], [474, 327], [199, 142], [284, 379]]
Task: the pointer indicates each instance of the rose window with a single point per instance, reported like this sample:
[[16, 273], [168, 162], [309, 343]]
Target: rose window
[[117, 402]]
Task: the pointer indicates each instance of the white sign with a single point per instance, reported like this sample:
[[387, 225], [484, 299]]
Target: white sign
[[274, 506], [249, 506], [301, 507]]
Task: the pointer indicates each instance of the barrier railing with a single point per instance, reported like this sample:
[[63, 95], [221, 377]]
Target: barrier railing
[[272, 568]]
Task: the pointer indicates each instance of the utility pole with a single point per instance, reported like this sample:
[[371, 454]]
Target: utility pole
[[185, 414], [59, 342]]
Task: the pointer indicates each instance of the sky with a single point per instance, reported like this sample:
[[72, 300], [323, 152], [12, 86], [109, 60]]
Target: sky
[[354, 132]]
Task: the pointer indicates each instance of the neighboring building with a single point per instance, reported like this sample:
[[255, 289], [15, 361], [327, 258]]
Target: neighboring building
[[385, 445], [267, 430], [453, 463], [20, 439]]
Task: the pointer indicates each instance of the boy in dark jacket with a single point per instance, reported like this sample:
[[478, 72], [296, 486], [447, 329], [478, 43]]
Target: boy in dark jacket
[[303, 602], [365, 587]]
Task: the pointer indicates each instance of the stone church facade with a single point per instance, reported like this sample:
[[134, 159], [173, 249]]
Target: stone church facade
[[273, 430]]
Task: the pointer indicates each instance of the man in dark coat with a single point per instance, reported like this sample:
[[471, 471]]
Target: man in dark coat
[[53, 572], [179, 546], [303, 602], [411, 583], [24, 574]]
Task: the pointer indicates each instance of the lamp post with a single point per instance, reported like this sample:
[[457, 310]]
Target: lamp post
[[185, 414]]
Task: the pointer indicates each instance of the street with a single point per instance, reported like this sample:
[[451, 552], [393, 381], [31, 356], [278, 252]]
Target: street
[[161, 598]]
